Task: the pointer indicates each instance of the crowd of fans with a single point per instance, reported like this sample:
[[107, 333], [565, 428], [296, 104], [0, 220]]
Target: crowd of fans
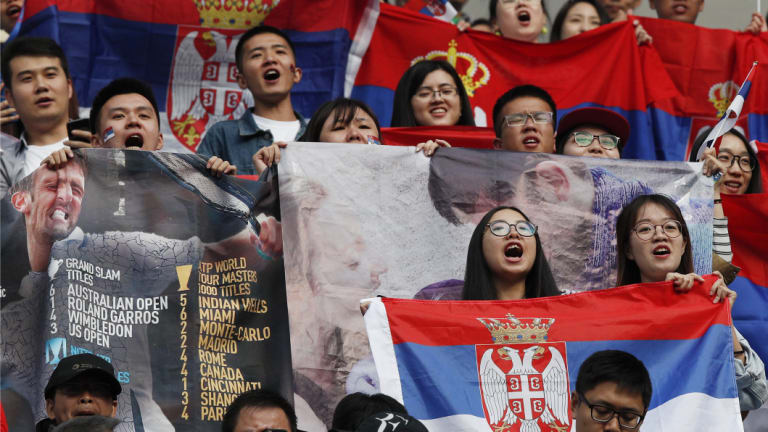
[[505, 258]]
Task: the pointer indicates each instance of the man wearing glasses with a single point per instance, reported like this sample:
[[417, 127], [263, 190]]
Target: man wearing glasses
[[595, 132], [81, 385], [524, 120], [613, 390]]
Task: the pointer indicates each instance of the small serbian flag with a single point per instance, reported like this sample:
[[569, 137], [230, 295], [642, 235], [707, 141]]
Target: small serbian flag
[[108, 134], [512, 365], [731, 116], [373, 140], [440, 9]]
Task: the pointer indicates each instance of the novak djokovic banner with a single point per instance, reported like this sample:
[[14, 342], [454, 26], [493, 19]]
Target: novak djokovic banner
[[512, 365], [146, 260], [361, 221]]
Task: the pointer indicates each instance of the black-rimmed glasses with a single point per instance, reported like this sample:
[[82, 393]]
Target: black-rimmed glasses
[[518, 119], [746, 163], [501, 228], [603, 414], [646, 230], [606, 141]]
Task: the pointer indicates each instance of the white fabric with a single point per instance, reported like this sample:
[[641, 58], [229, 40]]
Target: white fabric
[[281, 130], [34, 155]]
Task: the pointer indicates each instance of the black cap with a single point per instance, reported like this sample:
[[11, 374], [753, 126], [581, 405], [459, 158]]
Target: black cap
[[387, 421], [76, 365]]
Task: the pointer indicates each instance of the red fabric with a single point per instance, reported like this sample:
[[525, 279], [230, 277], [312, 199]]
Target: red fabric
[[762, 159], [747, 216], [456, 136]]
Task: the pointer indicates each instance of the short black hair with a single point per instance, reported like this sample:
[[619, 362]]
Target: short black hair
[[343, 111], [518, 92], [622, 368], [257, 399], [33, 47], [557, 25], [756, 183], [492, 9], [412, 80], [481, 21], [118, 87], [259, 29], [356, 407]]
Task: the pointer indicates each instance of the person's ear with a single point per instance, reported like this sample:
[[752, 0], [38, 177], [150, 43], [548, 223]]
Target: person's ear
[[497, 143], [554, 143], [574, 402], [241, 82], [160, 141], [297, 73], [628, 253], [550, 173], [19, 201], [70, 90], [114, 407], [49, 409]]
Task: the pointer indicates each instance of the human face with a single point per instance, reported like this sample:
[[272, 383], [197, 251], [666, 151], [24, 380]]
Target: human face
[[81, 397], [530, 137], [357, 131], [614, 8], [735, 180], [53, 207], [430, 107], [133, 121], [511, 257], [40, 91], [252, 419], [659, 255], [678, 10], [520, 20], [580, 18], [269, 68], [610, 395], [10, 10], [594, 149]]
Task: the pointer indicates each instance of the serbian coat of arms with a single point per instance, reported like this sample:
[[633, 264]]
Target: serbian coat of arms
[[523, 377]]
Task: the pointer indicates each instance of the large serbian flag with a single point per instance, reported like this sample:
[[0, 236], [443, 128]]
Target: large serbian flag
[[603, 68], [707, 66], [748, 231], [510, 366], [186, 50]]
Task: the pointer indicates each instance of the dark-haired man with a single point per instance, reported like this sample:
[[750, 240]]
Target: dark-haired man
[[81, 385], [37, 82], [613, 391], [524, 120], [266, 64], [259, 410]]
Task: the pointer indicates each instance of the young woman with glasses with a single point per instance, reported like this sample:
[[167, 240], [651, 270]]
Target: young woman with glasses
[[505, 260], [653, 245], [430, 93]]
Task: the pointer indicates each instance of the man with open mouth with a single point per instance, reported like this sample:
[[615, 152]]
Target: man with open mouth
[[81, 385], [10, 12], [524, 120], [266, 65]]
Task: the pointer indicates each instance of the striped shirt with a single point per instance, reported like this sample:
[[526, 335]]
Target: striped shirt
[[721, 243]]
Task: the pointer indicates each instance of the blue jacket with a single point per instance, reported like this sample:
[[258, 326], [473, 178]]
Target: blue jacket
[[236, 141]]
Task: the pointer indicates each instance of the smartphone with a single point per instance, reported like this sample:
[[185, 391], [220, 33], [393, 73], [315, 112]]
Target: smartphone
[[79, 124]]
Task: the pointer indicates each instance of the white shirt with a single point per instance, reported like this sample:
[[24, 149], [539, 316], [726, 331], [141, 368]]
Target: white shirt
[[34, 154], [281, 130]]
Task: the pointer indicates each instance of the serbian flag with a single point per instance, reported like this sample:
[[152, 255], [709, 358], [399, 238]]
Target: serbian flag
[[440, 9], [604, 67], [186, 50], [451, 362], [748, 232], [706, 66], [728, 120]]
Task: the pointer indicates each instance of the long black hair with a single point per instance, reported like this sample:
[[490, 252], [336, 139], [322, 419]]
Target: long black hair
[[557, 25], [343, 110], [628, 272], [755, 184], [478, 281], [411, 81]]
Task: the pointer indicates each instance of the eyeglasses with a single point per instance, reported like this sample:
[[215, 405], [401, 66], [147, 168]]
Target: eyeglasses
[[603, 414], [501, 228], [746, 163], [519, 119], [646, 230], [606, 141], [426, 93]]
